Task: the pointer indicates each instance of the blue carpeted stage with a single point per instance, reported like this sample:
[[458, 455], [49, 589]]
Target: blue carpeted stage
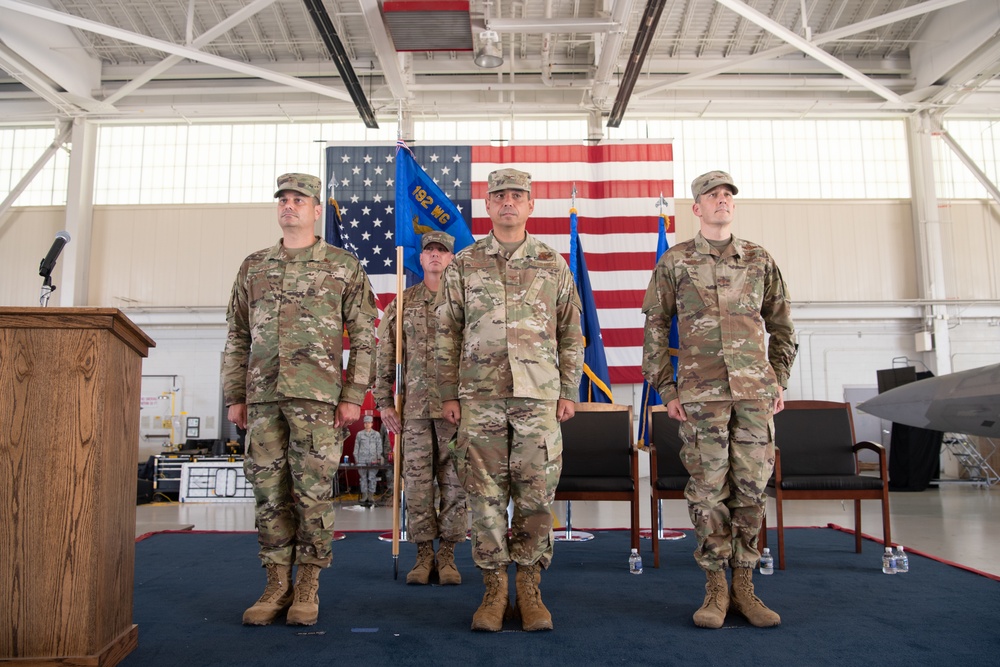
[[837, 608]]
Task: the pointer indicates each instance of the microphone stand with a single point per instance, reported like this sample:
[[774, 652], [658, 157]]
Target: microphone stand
[[47, 289]]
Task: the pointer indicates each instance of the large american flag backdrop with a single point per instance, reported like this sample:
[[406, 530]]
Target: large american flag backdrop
[[617, 186]]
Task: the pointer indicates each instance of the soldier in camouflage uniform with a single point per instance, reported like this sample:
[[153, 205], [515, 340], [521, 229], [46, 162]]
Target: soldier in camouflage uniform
[[368, 452], [284, 382], [426, 457], [510, 355], [726, 293]]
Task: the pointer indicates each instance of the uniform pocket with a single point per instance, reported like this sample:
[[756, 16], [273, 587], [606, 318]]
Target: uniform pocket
[[704, 283], [481, 289], [537, 283], [460, 455], [752, 294], [327, 444], [553, 444], [262, 286]]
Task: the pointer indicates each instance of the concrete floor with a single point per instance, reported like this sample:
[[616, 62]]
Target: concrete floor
[[957, 522]]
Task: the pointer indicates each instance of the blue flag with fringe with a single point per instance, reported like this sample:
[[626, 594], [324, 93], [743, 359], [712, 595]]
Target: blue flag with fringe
[[650, 396], [422, 207], [595, 386]]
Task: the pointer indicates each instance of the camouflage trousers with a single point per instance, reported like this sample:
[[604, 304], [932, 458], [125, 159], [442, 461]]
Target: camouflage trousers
[[292, 453], [426, 459], [729, 452], [510, 450]]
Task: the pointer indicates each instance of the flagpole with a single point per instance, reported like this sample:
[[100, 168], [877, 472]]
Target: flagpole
[[411, 180], [647, 389], [398, 398]]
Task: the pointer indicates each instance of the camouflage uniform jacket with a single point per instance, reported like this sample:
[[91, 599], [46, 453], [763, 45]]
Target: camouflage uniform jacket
[[420, 387], [723, 305], [286, 327], [509, 327]]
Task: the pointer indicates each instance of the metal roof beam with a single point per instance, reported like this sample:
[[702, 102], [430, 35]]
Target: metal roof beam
[[205, 38], [812, 50], [51, 61], [321, 18], [384, 49], [175, 49], [643, 38], [611, 51], [829, 36]]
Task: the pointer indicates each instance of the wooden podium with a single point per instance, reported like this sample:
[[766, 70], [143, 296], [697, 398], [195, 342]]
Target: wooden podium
[[69, 434]]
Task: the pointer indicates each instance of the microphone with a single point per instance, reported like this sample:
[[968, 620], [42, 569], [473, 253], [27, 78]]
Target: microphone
[[49, 262]]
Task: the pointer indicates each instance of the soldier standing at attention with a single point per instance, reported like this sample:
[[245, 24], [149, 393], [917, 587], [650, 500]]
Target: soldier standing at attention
[[510, 355], [726, 293], [426, 433], [368, 452], [284, 382]]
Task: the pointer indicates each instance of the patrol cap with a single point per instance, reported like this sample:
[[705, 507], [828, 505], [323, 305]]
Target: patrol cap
[[508, 179], [304, 183], [712, 179], [368, 418], [447, 240]]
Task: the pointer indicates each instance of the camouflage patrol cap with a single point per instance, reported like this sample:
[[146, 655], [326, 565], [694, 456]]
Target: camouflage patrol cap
[[368, 419], [508, 179], [304, 183], [712, 179], [447, 240]]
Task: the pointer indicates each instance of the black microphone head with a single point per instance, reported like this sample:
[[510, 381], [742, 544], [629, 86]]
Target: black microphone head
[[49, 261]]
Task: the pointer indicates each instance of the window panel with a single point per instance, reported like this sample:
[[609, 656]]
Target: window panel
[[231, 163]]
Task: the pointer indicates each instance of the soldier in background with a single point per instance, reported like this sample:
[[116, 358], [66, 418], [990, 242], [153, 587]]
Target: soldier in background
[[510, 354], [383, 430], [426, 434], [367, 452], [283, 382], [726, 293]]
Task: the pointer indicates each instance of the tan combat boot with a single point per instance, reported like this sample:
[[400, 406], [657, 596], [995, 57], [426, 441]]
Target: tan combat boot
[[305, 606], [489, 617], [421, 572], [276, 598], [534, 615], [713, 610], [747, 603], [448, 574]]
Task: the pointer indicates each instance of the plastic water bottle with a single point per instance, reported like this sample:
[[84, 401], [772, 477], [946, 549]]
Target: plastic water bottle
[[888, 561], [347, 459], [766, 562], [902, 561], [635, 562]]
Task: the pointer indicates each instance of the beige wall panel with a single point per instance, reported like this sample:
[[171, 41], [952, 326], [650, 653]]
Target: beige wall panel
[[246, 230], [112, 259], [26, 234], [829, 250], [174, 256], [893, 251], [973, 229], [187, 256]]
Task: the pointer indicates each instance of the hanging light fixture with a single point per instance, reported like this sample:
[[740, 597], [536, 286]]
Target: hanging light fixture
[[488, 54]]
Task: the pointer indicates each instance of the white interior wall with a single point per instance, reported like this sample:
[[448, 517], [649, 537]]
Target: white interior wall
[[194, 356]]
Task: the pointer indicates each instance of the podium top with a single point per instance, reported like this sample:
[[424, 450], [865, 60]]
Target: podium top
[[114, 320]]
